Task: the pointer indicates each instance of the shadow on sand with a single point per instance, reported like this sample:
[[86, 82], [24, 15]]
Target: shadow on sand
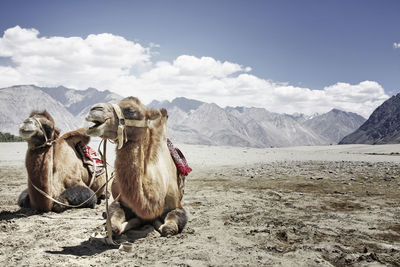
[[92, 247], [86, 248], [21, 213]]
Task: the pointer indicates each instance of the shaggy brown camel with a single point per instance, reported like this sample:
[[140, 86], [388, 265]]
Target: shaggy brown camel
[[55, 167], [145, 174]]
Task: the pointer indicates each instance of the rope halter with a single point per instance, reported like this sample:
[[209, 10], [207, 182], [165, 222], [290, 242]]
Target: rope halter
[[123, 123], [47, 142]]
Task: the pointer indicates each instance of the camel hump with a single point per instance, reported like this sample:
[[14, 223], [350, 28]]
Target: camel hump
[[77, 136]]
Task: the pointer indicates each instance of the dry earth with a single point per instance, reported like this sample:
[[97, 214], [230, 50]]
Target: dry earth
[[302, 206]]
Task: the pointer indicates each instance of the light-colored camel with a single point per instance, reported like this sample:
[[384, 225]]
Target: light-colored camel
[[55, 168], [145, 174]]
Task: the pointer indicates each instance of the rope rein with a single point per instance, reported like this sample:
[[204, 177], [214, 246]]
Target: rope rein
[[110, 240]]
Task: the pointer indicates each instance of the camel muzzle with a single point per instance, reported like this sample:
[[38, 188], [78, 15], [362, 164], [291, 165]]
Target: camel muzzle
[[27, 128]]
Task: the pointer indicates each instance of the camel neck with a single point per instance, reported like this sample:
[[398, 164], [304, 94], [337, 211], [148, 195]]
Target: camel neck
[[39, 167], [139, 189]]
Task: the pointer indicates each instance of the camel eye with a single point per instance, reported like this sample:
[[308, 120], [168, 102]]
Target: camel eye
[[132, 114], [47, 128]]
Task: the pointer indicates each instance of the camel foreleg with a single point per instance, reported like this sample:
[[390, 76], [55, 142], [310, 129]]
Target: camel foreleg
[[23, 199], [133, 223], [122, 218], [174, 222]]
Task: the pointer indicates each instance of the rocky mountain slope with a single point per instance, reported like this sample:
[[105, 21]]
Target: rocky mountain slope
[[16, 103], [209, 124], [340, 124], [67, 106], [78, 102], [382, 127], [190, 121]]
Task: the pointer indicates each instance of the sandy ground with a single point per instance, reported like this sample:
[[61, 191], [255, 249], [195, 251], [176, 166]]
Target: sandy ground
[[301, 206]]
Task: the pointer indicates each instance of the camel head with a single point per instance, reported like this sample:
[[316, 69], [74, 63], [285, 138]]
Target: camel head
[[38, 129], [127, 119]]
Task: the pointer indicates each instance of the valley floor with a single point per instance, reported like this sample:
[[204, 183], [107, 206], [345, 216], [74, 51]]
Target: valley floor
[[300, 206]]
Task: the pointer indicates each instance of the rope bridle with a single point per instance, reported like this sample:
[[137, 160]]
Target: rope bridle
[[123, 123], [47, 141]]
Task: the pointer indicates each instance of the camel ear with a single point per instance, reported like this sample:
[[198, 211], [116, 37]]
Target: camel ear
[[56, 132], [164, 112], [153, 114]]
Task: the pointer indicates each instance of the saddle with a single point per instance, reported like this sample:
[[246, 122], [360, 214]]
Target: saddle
[[91, 160]]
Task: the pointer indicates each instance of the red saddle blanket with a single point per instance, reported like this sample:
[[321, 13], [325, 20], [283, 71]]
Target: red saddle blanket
[[91, 159], [179, 159]]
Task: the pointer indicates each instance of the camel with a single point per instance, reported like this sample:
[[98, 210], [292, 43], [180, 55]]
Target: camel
[[55, 168], [146, 177]]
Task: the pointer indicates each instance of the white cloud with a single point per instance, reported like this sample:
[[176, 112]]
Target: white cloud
[[107, 61], [396, 45], [71, 61]]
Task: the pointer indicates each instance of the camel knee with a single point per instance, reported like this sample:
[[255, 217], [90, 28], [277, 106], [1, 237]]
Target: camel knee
[[23, 199], [74, 196], [81, 194]]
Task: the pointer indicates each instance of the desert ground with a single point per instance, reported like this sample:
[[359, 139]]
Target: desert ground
[[299, 206]]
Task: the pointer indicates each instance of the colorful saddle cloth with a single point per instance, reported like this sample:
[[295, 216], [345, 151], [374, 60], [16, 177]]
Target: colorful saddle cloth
[[181, 166], [91, 160], [179, 159]]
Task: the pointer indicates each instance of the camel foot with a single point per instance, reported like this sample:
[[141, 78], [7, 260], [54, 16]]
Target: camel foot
[[117, 217], [131, 224], [122, 218], [174, 222], [168, 229], [23, 199]]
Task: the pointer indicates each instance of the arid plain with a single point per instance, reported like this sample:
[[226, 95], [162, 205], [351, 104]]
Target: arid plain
[[298, 206]]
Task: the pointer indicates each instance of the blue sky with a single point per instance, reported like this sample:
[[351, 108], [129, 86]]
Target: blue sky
[[343, 49]]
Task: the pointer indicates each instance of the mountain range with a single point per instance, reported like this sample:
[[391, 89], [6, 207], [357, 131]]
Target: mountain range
[[197, 122], [67, 106], [190, 121]]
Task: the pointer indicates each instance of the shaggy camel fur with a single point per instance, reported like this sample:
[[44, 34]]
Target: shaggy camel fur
[[146, 176], [54, 166]]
